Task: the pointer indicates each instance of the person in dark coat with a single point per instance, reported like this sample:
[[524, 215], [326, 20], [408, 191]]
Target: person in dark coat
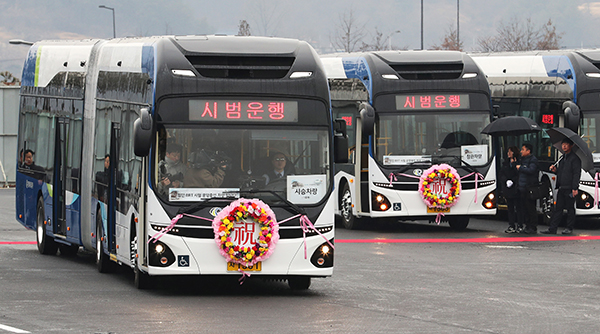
[[528, 176], [567, 183], [32, 169], [509, 186]]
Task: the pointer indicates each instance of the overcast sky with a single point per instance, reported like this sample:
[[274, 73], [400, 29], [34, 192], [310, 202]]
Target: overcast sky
[[312, 20]]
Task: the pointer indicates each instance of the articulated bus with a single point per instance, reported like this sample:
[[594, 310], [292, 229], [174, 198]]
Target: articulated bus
[[541, 85], [155, 152], [410, 115]]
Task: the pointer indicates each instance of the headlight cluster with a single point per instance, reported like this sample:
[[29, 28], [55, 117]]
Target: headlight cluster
[[379, 202]]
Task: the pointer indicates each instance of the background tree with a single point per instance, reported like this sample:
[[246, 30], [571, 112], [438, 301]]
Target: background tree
[[349, 32], [244, 28], [7, 79], [381, 42], [519, 35], [450, 41]]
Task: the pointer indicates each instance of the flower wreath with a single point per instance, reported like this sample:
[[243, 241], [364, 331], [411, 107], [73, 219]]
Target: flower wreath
[[436, 172], [246, 210]]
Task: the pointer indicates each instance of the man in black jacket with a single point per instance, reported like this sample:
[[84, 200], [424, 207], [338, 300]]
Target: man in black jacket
[[528, 176], [567, 183]]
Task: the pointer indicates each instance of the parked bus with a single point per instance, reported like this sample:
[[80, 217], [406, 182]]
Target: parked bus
[[409, 114], [541, 85], [155, 152]]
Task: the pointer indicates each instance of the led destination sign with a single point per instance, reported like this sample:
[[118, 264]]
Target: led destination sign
[[432, 101], [243, 111]]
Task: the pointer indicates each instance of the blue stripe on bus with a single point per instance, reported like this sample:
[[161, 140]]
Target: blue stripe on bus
[[28, 77], [561, 67], [358, 68]]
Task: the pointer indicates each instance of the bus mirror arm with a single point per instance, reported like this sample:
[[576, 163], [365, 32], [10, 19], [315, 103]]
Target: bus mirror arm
[[367, 116], [143, 130], [572, 115]]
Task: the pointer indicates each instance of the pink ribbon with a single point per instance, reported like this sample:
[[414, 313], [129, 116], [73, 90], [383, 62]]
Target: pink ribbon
[[174, 221], [477, 176], [392, 176], [243, 278], [438, 218], [306, 225], [596, 192]]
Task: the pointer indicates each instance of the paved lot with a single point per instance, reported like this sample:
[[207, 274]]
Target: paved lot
[[401, 278]]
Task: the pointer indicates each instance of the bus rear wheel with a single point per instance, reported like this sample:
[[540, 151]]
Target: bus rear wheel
[[45, 244], [350, 221], [103, 263], [298, 283], [458, 223]]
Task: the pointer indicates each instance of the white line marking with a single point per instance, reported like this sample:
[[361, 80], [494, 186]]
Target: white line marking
[[12, 329]]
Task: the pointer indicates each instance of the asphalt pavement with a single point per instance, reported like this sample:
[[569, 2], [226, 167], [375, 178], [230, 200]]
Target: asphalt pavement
[[404, 277]]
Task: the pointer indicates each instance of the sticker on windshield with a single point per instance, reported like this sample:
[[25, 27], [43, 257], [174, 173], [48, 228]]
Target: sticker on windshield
[[306, 189], [596, 157], [474, 154], [405, 159], [201, 194]]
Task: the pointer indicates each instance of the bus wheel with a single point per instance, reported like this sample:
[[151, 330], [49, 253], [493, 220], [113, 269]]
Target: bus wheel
[[102, 259], [299, 282], [45, 244], [546, 203], [350, 221], [458, 223]]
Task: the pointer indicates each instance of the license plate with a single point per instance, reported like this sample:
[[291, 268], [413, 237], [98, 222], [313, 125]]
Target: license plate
[[438, 210], [236, 267]]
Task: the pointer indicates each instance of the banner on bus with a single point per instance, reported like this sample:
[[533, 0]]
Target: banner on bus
[[405, 159], [474, 154], [201, 194], [306, 189]]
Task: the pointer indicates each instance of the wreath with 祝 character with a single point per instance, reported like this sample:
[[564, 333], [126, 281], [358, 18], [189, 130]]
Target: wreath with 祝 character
[[446, 174], [246, 210]]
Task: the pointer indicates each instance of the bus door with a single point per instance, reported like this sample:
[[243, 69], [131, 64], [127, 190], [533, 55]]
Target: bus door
[[114, 179], [361, 170], [60, 177]]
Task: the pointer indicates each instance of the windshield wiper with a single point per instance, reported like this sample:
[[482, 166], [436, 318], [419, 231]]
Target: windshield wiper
[[408, 166], [205, 202]]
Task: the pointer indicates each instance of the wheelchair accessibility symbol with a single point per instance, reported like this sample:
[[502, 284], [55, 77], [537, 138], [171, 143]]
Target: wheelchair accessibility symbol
[[397, 206], [183, 260]]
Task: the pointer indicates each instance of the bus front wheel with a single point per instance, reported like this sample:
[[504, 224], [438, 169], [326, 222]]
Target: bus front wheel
[[350, 221], [458, 223], [45, 244], [299, 282]]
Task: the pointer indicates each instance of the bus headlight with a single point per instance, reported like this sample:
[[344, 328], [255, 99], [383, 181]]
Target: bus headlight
[[489, 201], [160, 255], [584, 200], [379, 202], [323, 255]]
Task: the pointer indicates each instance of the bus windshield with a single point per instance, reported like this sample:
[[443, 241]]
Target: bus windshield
[[452, 138], [195, 164], [590, 132]]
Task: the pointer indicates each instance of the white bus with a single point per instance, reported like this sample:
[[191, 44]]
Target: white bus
[[410, 114], [99, 118], [541, 85]]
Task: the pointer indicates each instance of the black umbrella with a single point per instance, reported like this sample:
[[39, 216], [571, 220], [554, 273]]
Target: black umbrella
[[511, 126], [579, 146]]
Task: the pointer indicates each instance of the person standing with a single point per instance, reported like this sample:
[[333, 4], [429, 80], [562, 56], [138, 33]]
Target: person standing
[[528, 176], [567, 183], [509, 187]]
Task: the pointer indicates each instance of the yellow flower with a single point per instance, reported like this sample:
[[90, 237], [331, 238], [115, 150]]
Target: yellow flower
[[249, 256], [239, 214], [223, 238]]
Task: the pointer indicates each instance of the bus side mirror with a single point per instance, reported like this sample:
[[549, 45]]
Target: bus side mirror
[[143, 130], [367, 116], [340, 141], [572, 115]]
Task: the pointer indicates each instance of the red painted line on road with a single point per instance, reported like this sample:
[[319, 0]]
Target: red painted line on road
[[467, 240], [18, 242]]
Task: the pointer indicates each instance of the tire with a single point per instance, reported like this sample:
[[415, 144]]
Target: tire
[[45, 244], [546, 204], [349, 221], [299, 283], [103, 262], [458, 223]]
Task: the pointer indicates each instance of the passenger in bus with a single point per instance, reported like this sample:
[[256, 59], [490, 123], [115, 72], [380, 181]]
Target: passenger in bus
[[568, 175], [33, 169], [102, 179], [509, 187], [171, 169], [207, 169], [528, 176]]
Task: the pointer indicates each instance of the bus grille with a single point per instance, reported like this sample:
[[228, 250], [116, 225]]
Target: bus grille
[[240, 67], [428, 71]]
